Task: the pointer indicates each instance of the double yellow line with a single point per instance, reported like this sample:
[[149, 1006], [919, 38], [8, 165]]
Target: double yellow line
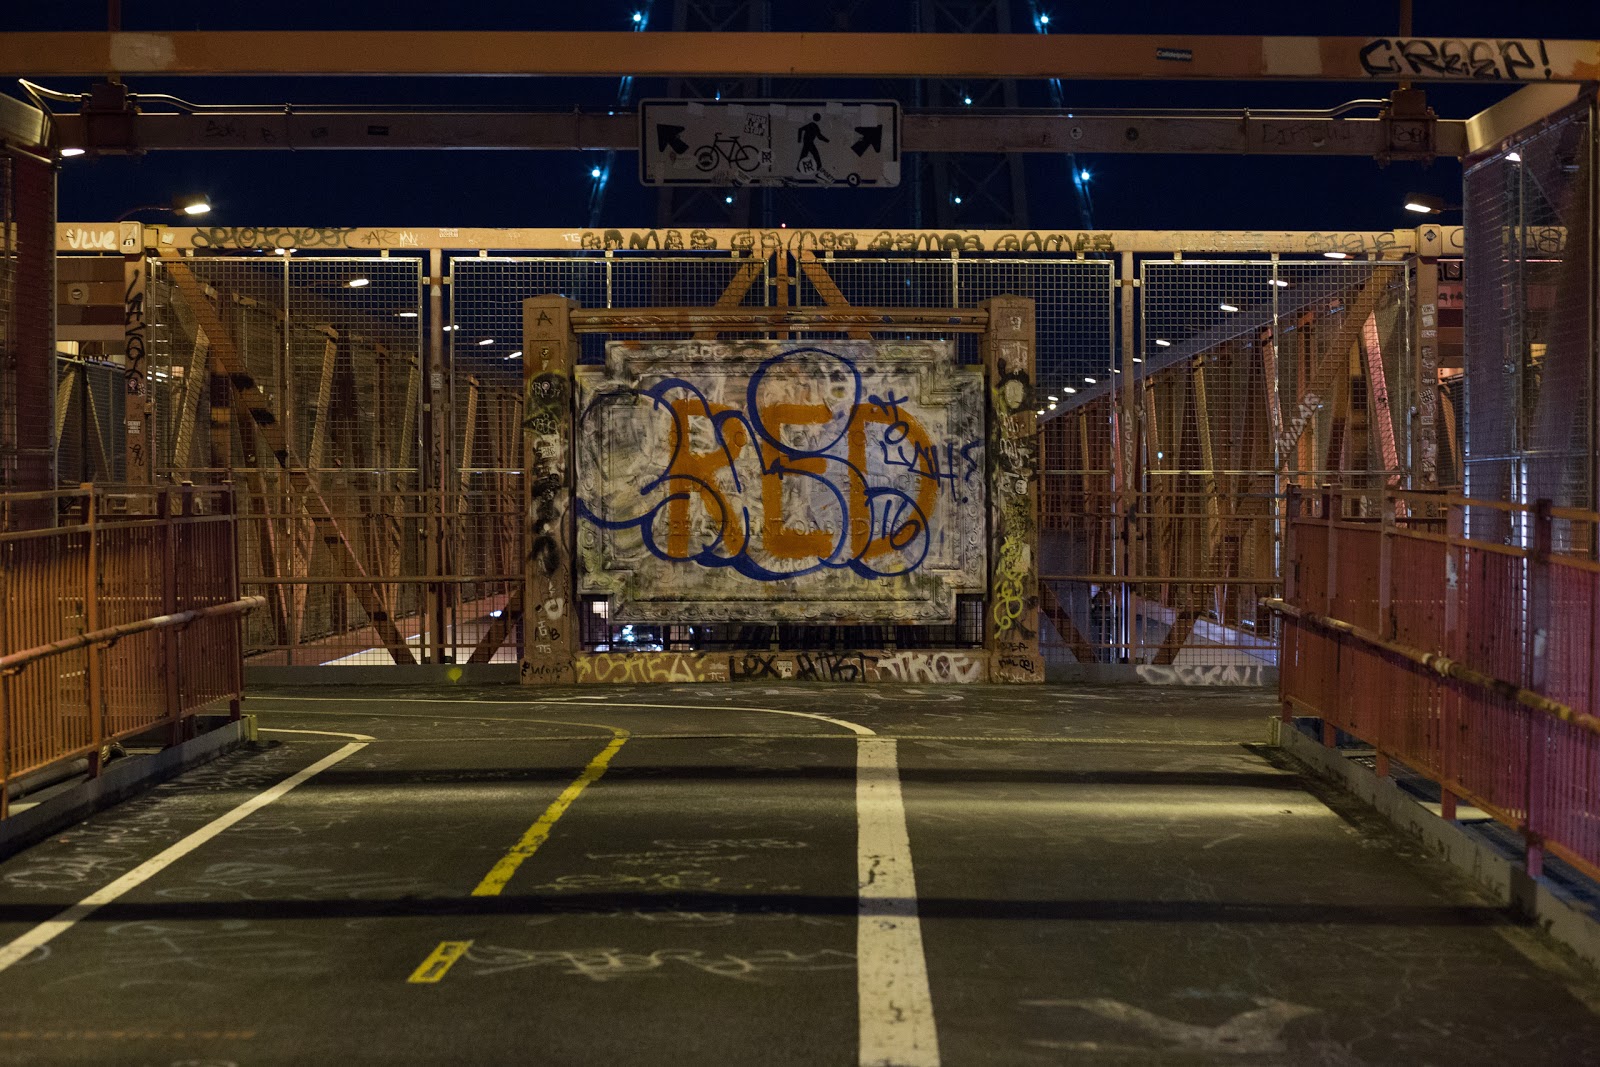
[[441, 959]]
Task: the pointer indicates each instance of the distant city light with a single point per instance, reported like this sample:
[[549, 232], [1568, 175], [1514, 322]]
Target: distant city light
[[447, 329], [357, 283], [1052, 407], [1337, 255], [515, 355], [594, 172], [1225, 306], [638, 16], [1279, 282], [1083, 175], [956, 199], [486, 341], [67, 153], [1088, 381], [1053, 398], [1511, 157], [967, 100], [1044, 20], [727, 199], [1068, 389], [411, 315], [1163, 344]]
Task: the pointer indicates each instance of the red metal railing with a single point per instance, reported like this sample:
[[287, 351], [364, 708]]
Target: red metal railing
[[1473, 662], [121, 617]]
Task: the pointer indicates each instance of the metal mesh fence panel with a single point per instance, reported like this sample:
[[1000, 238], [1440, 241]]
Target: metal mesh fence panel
[[27, 320], [1531, 292], [1249, 376]]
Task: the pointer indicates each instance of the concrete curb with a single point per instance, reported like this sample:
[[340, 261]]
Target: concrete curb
[[121, 779], [1569, 921], [380, 674]]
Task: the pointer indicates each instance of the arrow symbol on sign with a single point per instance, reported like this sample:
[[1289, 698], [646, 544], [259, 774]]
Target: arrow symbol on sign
[[668, 137], [871, 137]]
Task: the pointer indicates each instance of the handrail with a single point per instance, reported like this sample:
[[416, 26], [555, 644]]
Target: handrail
[[15, 661], [1442, 665]]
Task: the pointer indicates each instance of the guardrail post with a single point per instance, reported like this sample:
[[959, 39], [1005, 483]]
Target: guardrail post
[[1290, 568], [1535, 678], [91, 622], [169, 606], [1450, 704], [1330, 567], [227, 505]]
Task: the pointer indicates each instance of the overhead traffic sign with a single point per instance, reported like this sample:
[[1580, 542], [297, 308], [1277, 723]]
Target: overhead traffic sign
[[769, 142]]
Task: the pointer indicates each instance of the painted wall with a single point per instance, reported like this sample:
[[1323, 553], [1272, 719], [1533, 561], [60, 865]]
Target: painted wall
[[831, 481]]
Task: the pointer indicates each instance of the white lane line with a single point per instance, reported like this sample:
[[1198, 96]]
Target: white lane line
[[50, 929], [895, 1005], [323, 733], [853, 727]]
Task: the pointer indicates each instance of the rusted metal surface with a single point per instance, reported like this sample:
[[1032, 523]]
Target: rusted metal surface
[[102, 635], [1479, 672], [1107, 57]]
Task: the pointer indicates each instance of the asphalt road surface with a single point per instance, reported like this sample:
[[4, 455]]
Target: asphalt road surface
[[748, 875]]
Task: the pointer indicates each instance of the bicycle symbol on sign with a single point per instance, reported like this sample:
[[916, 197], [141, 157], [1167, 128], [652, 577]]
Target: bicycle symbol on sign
[[745, 157]]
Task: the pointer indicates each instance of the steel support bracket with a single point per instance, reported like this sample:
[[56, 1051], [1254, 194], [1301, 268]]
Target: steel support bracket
[[1410, 128]]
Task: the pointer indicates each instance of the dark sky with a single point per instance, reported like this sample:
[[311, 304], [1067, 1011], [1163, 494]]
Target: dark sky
[[509, 188]]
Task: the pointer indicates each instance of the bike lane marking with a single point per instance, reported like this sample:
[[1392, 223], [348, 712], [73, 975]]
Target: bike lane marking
[[50, 929]]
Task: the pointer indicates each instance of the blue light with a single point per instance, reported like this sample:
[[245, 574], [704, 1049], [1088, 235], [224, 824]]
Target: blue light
[[638, 16], [1044, 20], [967, 100], [594, 172], [727, 200], [1083, 175], [957, 199]]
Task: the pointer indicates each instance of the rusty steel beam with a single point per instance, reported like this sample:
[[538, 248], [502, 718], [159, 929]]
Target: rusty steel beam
[[962, 132], [1110, 57]]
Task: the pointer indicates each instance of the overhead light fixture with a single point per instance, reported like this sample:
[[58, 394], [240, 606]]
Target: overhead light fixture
[[1136, 359], [1089, 381], [1162, 343], [515, 355], [638, 16], [1069, 389], [486, 341], [1083, 175], [1044, 20], [1039, 412], [447, 329], [728, 199], [1427, 204], [1052, 407], [1511, 157], [956, 199], [195, 205], [408, 314], [1336, 255], [595, 172], [1052, 398], [1225, 306], [1279, 282], [68, 153], [967, 100], [357, 283]]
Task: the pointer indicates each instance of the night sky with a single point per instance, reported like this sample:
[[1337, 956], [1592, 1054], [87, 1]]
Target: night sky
[[509, 188]]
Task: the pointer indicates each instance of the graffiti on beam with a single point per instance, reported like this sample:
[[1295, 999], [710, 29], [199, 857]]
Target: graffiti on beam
[[272, 237], [775, 480], [1224, 674], [768, 242], [133, 333], [639, 668], [1493, 59]]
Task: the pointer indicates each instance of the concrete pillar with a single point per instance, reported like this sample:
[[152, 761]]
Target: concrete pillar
[[1011, 629], [549, 614]]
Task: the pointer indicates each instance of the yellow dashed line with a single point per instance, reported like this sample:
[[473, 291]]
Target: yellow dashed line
[[439, 962], [501, 873]]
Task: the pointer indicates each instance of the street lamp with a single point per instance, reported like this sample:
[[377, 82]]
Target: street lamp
[[184, 205], [1428, 204]]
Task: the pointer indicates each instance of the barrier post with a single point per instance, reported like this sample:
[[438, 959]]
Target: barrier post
[[169, 606], [92, 681], [1330, 568], [227, 504], [1450, 702], [1290, 569], [1536, 660]]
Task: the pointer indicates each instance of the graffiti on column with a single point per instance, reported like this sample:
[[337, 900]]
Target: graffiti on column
[[546, 427], [781, 481], [1014, 459]]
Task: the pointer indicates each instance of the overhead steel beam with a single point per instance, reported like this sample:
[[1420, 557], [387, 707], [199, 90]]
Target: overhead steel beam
[[1379, 244], [806, 55], [938, 132]]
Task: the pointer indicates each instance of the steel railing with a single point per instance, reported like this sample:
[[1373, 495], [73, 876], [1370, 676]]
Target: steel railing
[[1471, 661], [119, 616]]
